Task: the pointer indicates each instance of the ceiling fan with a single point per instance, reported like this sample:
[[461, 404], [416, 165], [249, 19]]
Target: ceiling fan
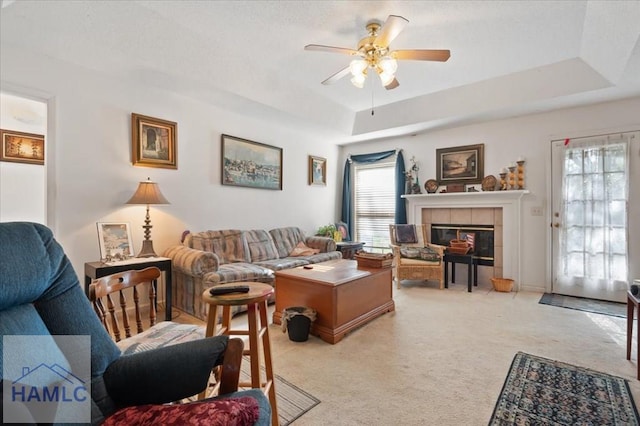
[[373, 54]]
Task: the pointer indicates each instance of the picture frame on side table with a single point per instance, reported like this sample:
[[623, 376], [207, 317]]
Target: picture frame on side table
[[317, 170], [20, 147], [154, 142], [251, 164], [115, 241], [461, 164]]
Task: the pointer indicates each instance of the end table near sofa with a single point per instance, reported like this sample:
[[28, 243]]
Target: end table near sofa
[[349, 248], [93, 270]]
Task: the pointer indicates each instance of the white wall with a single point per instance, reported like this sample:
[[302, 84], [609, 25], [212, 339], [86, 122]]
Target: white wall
[[530, 137], [92, 175], [23, 186]]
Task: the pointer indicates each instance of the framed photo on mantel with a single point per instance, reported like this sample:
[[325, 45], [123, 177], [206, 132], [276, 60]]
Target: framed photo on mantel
[[461, 164]]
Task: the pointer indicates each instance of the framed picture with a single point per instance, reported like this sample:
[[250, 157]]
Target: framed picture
[[462, 164], [153, 142], [317, 170], [251, 164], [19, 147], [115, 241]]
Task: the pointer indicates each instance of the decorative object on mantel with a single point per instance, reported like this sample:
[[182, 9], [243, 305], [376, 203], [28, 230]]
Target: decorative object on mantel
[[472, 189], [147, 193], [431, 186], [512, 176], [408, 182], [455, 187], [415, 188], [520, 172], [462, 164], [489, 183], [503, 180]]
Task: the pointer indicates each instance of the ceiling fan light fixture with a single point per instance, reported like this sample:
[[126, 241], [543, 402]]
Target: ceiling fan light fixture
[[358, 80], [388, 65], [357, 67], [386, 78]]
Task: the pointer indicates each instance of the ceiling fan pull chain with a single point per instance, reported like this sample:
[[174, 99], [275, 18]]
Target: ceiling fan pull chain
[[371, 99]]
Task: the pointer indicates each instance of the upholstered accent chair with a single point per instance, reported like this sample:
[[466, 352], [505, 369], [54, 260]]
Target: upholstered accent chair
[[41, 297], [414, 258]]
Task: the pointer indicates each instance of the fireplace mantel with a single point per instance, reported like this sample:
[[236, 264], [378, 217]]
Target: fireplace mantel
[[509, 201]]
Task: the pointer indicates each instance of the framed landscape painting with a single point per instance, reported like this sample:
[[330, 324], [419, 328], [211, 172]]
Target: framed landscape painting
[[251, 164], [461, 164], [19, 147], [317, 170], [153, 142], [115, 241]]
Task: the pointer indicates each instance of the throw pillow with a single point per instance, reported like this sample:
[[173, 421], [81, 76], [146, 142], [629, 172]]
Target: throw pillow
[[406, 234], [422, 253], [219, 412], [302, 250]]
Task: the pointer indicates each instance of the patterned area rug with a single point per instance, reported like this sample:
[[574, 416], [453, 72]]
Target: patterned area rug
[[292, 401], [584, 304], [540, 391]]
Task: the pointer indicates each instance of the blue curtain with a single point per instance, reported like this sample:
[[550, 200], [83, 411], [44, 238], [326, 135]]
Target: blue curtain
[[400, 213]]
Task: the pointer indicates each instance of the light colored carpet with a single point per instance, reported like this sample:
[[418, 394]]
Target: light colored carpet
[[442, 357]]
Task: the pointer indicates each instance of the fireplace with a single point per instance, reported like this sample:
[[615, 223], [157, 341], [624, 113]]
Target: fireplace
[[442, 233]]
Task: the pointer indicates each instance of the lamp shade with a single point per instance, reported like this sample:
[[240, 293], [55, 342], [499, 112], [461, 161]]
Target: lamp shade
[[148, 192]]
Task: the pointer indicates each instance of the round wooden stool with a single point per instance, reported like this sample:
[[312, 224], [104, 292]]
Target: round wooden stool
[[256, 301]]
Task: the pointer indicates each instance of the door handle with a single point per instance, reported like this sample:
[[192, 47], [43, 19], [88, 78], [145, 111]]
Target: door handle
[[556, 225]]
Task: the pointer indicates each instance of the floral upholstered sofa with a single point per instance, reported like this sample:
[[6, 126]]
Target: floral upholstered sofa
[[209, 258]]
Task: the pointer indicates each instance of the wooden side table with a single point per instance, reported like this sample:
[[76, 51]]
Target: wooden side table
[[632, 304], [256, 301], [469, 259], [93, 270], [349, 248]]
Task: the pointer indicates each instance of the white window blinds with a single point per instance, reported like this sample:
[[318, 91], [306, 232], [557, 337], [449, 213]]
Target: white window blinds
[[374, 202]]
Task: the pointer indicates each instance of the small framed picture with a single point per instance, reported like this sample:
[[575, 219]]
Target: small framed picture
[[153, 142], [317, 170], [19, 147], [115, 241]]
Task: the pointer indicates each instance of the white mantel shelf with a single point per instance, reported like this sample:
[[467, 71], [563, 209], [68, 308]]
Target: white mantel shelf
[[509, 201]]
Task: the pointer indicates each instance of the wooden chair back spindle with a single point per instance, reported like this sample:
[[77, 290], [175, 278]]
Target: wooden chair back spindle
[[101, 290]]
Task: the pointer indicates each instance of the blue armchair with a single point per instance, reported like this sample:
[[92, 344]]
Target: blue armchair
[[45, 319]]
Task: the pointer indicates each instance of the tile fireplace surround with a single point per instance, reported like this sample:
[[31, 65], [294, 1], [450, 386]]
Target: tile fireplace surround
[[509, 201]]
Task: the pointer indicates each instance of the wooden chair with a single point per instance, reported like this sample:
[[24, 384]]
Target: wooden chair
[[118, 319], [415, 268]]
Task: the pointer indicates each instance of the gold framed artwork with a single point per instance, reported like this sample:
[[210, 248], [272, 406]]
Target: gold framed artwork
[[317, 170], [154, 142], [251, 164], [461, 164], [20, 147]]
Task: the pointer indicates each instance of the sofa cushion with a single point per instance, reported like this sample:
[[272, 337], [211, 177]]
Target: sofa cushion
[[234, 272], [284, 263], [261, 246], [163, 334], [286, 239], [228, 244], [215, 412], [322, 257]]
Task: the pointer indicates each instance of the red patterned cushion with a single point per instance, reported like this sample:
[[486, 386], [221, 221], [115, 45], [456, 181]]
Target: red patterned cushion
[[220, 412]]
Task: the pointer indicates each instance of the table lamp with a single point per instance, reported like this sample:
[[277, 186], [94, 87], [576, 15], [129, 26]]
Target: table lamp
[[147, 193]]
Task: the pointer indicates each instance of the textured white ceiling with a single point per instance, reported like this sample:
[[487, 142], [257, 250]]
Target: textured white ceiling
[[507, 57]]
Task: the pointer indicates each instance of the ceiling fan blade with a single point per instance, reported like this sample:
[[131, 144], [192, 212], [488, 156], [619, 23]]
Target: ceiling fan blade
[[392, 85], [422, 55], [331, 49], [392, 27], [337, 76]]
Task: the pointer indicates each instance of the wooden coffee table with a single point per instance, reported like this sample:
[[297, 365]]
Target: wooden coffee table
[[343, 295]]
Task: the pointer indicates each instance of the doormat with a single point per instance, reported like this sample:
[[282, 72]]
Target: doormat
[[540, 391], [583, 304]]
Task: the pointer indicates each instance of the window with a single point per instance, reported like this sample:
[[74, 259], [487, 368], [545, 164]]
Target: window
[[374, 193]]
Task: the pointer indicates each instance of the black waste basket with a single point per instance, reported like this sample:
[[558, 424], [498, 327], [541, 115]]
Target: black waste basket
[[297, 321]]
